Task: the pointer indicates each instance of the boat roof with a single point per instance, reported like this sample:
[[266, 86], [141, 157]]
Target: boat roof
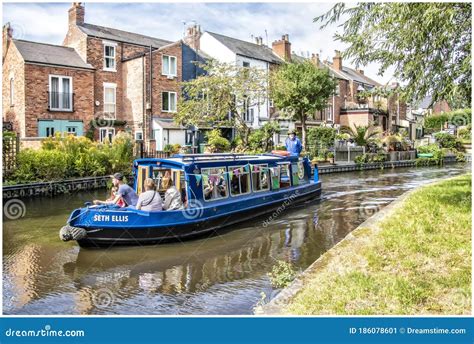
[[182, 160]]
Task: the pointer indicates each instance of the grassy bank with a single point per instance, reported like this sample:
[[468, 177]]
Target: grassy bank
[[417, 260]]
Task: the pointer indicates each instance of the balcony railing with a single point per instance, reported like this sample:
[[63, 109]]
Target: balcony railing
[[61, 101]]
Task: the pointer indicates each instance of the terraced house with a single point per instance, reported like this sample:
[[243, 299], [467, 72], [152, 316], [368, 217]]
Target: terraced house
[[100, 81]]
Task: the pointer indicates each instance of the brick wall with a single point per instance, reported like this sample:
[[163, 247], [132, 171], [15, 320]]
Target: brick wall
[[14, 67], [160, 82], [76, 39], [441, 106], [36, 96]]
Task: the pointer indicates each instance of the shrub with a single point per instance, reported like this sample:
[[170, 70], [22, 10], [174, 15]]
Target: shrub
[[369, 157], [446, 140], [458, 118], [66, 157], [320, 139], [465, 134], [216, 142]]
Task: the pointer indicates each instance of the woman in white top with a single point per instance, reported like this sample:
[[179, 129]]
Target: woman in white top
[[172, 195], [150, 200]]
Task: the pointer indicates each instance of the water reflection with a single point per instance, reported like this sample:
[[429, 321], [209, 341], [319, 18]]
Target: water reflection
[[223, 274]]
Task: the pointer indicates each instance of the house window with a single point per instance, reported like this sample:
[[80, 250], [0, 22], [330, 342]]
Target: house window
[[168, 103], [60, 93], [109, 99], [106, 134], [71, 131], [109, 56], [214, 183], [240, 180], [138, 135], [49, 131], [246, 64], [12, 92], [270, 103], [338, 89], [248, 112], [169, 65], [248, 115]]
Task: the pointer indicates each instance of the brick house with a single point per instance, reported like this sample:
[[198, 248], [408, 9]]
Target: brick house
[[136, 77], [101, 79], [46, 88]]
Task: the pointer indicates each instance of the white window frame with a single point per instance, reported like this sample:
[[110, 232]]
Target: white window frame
[[249, 178], [108, 85], [169, 72], [12, 91], [114, 46], [60, 91], [252, 173], [225, 175], [107, 131], [169, 103], [138, 132]]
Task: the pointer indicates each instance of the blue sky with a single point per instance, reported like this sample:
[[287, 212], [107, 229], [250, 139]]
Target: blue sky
[[47, 22]]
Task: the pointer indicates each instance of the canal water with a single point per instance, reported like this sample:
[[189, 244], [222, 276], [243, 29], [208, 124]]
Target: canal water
[[224, 274]]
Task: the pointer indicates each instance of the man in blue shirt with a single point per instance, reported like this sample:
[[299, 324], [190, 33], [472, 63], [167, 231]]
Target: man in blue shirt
[[293, 144], [124, 192]]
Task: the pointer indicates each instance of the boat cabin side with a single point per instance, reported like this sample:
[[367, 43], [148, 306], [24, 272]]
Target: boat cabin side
[[220, 178]]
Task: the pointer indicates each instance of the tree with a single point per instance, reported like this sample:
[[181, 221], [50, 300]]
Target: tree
[[301, 89], [222, 96], [428, 44], [262, 139]]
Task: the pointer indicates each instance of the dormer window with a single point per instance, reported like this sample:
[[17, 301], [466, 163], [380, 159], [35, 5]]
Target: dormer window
[[109, 56]]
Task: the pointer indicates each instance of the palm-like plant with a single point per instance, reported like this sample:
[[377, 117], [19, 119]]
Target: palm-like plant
[[362, 134]]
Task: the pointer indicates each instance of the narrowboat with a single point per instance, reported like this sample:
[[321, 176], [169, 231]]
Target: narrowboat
[[218, 190]]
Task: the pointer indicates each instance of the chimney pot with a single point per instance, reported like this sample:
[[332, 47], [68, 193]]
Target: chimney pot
[[76, 14]]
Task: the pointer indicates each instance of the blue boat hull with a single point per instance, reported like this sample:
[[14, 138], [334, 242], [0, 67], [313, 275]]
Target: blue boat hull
[[107, 226]]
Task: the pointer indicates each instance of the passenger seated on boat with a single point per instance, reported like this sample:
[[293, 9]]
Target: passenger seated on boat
[[215, 187], [124, 193], [150, 200], [172, 195], [113, 192]]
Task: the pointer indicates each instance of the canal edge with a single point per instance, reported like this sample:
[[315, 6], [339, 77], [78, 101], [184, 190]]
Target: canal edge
[[370, 227]]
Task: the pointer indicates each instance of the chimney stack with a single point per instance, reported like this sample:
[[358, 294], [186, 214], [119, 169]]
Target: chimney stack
[[282, 47], [76, 14], [259, 40], [337, 61], [193, 36], [7, 37], [315, 59]]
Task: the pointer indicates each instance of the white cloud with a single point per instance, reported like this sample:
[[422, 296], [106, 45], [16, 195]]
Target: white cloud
[[47, 22]]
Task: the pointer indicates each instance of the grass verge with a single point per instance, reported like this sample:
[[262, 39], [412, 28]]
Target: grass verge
[[417, 260]]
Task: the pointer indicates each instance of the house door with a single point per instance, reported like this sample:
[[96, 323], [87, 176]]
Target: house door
[[158, 136]]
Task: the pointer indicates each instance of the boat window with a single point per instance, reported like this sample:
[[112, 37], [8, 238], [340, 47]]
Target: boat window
[[214, 183], [160, 176], [294, 174], [260, 178], [285, 176], [141, 176], [239, 180], [275, 174]]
